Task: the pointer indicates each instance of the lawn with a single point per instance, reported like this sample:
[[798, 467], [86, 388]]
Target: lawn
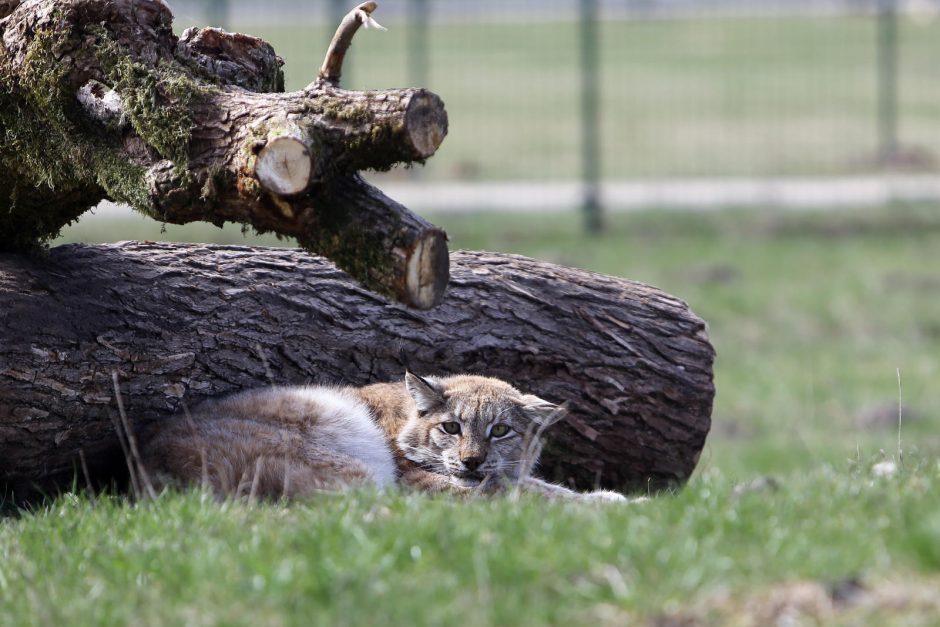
[[367, 559], [812, 315], [680, 97]]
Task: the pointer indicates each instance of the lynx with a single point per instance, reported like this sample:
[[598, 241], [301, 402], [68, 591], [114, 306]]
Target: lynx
[[461, 434]]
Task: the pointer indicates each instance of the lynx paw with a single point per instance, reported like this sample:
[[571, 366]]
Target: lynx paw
[[604, 496]]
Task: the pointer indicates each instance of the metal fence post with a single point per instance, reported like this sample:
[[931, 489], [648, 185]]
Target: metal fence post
[[336, 11], [417, 60], [418, 43], [887, 81], [590, 117]]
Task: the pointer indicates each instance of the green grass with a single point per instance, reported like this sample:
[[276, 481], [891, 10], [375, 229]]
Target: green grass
[[366, 559], [811, 315], [693, 97]]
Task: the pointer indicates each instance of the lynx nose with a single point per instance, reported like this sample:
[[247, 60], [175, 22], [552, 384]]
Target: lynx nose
[[472, 463]]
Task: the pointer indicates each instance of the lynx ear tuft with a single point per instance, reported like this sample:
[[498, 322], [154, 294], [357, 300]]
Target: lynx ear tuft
[[541, 411], [426, 394]]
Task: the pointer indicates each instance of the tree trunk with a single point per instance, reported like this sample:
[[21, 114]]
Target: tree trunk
[[100, 100], [179, 323]]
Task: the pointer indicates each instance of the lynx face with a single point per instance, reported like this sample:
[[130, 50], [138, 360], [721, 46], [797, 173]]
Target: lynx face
[[470, 427]]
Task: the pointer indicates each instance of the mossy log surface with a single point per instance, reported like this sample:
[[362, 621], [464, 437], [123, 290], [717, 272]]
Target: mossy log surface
[[180, 323], [100, 100]]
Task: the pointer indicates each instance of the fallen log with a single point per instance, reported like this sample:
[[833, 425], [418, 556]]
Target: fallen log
[[179, 323], [100, 100]]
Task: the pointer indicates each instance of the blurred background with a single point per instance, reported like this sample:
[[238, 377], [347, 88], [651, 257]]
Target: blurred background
[[629, 104], [776, 163]]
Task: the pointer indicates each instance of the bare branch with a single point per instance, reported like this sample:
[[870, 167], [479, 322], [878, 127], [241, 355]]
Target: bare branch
[[332, 66]]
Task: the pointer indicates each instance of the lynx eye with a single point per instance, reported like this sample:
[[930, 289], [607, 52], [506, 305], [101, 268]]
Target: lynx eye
[[451, 428], [499, 430]]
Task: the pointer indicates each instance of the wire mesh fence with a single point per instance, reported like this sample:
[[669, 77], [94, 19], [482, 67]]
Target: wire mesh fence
[[715, 89]]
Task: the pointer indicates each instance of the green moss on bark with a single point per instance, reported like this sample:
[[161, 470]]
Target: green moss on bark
[[49, 149], [357, 248], [41, 160], [157, 101], [354, 250], [357, 114]]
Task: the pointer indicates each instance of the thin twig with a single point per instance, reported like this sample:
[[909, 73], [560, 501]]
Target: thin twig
[[285, 490], [332, 66], [81, 459], [532, 440], [900, 410], [135, 483], [132, 440], [240, 486], [202, 445], [264, 360], [253, 493], [529, 450]]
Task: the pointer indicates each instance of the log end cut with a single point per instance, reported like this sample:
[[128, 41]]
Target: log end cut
[[285, 166], [426, 123]]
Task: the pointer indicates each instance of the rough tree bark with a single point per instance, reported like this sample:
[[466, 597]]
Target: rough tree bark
[[182, 322], [99, 99]]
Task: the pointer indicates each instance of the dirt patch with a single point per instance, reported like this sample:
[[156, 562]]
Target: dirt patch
[[848, 602], [906, 281]]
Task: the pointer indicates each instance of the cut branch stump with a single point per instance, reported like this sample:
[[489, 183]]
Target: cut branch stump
[[100, 100]]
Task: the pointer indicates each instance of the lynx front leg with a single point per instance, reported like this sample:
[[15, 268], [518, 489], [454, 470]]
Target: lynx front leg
[[434, 483], [425, 481], [531, 484]]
